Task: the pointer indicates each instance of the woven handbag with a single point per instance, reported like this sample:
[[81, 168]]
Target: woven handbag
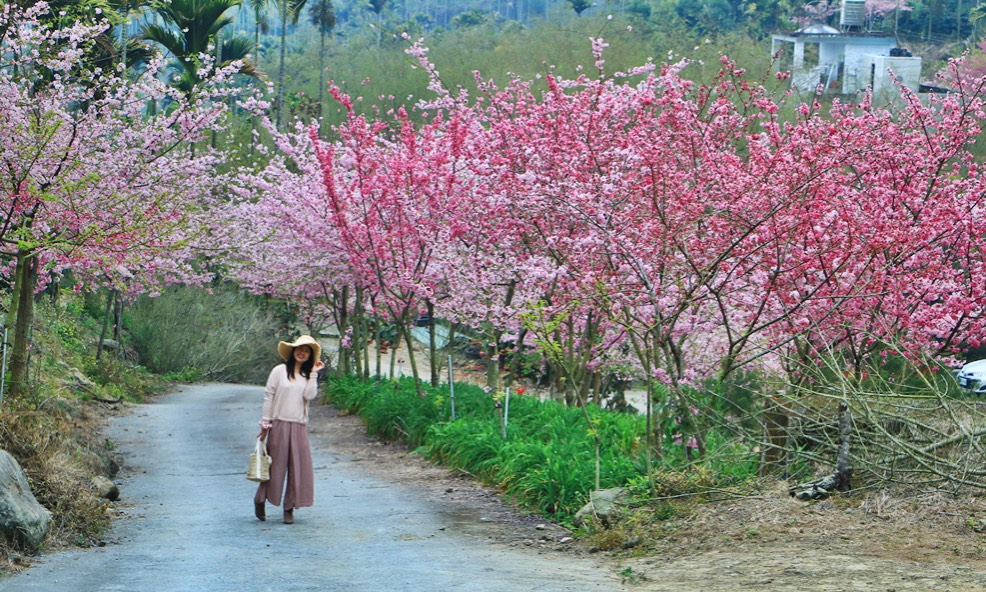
[[259, 469]]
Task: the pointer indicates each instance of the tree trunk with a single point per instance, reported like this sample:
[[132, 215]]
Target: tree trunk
[[958, 22], [256, 41], [493, 363], [118, 327], [15, 294], [280, 68], [345, 353], [775, 440], [379, 28], [124, 40], [436, 368], [366, 326], [321, 72], [27, 274], [517, 357], [393, 354], [410, 354], [106, 321]]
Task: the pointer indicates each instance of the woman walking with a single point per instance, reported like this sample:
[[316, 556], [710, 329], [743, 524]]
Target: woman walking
[[284, 423]]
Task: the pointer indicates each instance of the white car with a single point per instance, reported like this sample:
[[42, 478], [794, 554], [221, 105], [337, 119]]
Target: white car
[[972, 376]]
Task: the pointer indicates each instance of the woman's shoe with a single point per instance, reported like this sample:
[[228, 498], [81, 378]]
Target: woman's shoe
[[289, 516], [260, 511]]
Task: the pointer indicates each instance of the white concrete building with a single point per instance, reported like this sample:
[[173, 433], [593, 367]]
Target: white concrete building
[[845, 61]]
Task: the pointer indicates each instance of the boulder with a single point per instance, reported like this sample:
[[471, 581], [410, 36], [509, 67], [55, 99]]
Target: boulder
[[23, 521], [104, 488], [605, 504], [75, 380], [818, 489]]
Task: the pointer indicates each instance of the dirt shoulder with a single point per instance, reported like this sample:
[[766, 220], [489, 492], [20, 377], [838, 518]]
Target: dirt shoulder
[[500, 522], [774, 543], [769, 542]]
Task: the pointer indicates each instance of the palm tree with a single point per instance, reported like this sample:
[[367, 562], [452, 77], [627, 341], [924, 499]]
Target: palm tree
[[289, 10], [194, 26], [126, 10], [377, 7], [323, 16], [976, 15], [262, 23], [112, 48], [579, 6]]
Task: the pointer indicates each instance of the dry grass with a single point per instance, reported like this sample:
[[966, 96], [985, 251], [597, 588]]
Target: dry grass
[[58, 445], [891, 524]]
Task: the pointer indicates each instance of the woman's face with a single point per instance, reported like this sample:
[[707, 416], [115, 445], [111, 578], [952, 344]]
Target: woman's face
[[302, 353]]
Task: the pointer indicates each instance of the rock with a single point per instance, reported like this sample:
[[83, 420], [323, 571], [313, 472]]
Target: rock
[[818, 489], [604, 504], [23, 521], [105, 488], [811, 494], [77, 381]]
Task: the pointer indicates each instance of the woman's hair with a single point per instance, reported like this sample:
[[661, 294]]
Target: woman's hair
[[306, 366]]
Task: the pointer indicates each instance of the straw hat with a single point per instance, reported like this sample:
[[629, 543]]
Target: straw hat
[[284, 348]]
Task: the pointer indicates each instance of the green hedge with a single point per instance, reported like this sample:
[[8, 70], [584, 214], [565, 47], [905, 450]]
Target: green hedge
[[547, 461]]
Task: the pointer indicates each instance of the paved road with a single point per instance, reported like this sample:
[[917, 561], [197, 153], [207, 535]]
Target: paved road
[[189, 524]]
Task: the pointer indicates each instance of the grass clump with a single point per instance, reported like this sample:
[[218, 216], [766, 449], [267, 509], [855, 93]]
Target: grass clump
[[120, 380], [546, 462]]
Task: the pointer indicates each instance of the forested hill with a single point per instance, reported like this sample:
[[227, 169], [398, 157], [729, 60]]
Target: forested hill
[[359, 45]]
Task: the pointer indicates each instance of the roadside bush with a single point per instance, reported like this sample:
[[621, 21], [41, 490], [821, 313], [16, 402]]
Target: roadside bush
[[224, 335], [547, 461], [118, 378], [64, 344]]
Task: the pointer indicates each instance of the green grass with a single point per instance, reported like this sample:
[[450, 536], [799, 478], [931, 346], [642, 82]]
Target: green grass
[[546, 463]]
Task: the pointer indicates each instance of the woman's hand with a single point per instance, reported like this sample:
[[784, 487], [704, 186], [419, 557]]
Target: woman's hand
[[263, 433], [318, 365]]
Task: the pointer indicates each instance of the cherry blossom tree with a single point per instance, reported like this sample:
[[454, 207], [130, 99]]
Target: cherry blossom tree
[[91, 181], [390, 204], [641, 215], [286, 245]]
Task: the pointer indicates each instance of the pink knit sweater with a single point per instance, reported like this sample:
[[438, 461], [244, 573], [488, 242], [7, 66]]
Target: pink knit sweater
[[286, 399]]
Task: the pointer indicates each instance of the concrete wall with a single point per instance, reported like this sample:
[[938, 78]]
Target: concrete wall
[[858, 61], [907, 71]]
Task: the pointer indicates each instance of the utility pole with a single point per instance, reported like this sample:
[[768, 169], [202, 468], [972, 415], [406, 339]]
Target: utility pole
[[976, 15], [958, 20], [896, 19]]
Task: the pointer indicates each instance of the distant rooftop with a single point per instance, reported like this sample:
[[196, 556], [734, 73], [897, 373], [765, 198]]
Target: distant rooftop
[[820, 30], [817, 29]]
